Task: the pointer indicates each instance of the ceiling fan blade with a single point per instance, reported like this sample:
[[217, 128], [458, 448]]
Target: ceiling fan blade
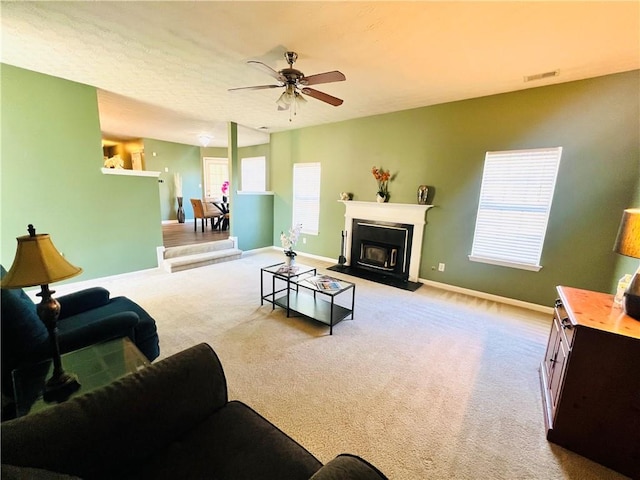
[[325, 97], [326, 77], [268, 70], [257, 87]]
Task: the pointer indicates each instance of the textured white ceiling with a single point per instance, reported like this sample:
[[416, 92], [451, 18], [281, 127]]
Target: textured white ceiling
[[163, 68]]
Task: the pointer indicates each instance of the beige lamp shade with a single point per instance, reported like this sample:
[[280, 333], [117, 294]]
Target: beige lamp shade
[[628, 240], [37, 262]]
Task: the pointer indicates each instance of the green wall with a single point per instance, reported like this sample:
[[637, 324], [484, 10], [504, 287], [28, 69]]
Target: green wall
[[50, 161], [176, 158], [252, 214], [596, 121]]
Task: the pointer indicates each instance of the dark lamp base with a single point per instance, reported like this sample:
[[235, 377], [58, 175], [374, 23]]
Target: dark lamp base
[[631, 304], [58, 389]]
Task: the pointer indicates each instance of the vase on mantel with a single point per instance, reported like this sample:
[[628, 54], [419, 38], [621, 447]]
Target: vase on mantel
[[180, 213], [381, 197]]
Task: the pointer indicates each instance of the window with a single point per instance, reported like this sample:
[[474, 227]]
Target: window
[[513, 210], [253, 171], [306, 196], [216, 171]]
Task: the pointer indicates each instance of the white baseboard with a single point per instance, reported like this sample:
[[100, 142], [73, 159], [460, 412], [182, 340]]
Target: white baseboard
[[489, 296]]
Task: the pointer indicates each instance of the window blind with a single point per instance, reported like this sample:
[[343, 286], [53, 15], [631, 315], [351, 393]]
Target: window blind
[[306, 196], [253, 173], [514, 205]]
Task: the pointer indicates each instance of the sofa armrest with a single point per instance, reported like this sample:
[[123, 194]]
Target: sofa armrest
[[348, 467], [83, 300], [111, 431], [74, 333]]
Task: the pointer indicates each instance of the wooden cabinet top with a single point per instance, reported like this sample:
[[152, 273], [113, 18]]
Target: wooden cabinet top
[[597, 310]]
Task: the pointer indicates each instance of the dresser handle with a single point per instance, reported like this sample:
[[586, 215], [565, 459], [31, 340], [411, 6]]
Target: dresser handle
[[566, 323]]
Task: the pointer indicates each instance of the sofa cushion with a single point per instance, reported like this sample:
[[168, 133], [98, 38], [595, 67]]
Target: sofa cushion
[[21, 325], [24, 336], [234, 443]]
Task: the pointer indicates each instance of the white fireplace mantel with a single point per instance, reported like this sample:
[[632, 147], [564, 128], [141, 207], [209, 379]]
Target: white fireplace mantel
[[411, 214]]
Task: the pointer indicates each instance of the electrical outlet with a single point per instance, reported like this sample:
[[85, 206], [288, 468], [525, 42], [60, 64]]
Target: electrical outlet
[[441, 267], [304, 240]]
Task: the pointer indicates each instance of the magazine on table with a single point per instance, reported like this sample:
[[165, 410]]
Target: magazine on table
[[325, 282], [289, 269]]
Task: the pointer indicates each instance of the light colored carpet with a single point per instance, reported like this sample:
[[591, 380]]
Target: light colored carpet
[[426, 385]]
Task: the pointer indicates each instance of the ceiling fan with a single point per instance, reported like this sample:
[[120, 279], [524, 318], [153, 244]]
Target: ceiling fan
[[296, 83]]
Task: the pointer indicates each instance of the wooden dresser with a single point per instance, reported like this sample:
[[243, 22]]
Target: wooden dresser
[[590, 379]]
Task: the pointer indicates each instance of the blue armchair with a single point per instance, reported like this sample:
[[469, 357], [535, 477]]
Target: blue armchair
[[86, 317]]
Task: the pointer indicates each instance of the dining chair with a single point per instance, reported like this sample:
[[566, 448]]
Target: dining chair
[[200, 213]]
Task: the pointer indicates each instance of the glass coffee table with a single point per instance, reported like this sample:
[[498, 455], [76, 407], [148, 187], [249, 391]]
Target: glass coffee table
[[300, 290], [96, 365]]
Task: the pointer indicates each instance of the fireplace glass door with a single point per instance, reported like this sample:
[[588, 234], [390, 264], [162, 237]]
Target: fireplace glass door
[[378, 256]]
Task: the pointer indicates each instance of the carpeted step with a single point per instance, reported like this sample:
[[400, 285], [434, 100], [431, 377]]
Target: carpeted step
[[200, 255], [172, 252]]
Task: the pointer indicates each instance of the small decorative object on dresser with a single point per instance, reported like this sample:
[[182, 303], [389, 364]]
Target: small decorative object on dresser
[[423, 192]]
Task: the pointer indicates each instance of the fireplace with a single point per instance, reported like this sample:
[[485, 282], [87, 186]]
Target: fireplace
[[381, 247], [383, 242]]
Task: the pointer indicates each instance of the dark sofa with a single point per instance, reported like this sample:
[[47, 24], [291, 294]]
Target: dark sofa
[[171, 420], [86, 317]]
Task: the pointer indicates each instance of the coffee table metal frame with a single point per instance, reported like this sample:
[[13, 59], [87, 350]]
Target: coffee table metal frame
[[287, 291]]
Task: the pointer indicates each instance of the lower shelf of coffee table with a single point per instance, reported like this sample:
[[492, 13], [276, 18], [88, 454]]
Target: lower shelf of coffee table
[[314, 308]]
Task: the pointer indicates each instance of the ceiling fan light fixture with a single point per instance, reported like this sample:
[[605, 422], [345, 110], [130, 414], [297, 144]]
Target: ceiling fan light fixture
[[283, 102]]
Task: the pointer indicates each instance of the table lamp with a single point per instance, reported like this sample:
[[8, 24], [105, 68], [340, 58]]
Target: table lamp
[[38, 262], [628, 243]]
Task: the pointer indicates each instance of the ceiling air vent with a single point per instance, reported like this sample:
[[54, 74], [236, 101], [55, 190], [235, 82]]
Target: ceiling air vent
[[540, 76]]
